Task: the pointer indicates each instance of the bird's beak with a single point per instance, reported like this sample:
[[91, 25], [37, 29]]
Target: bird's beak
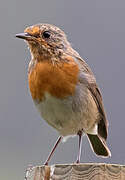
[[25, 36]]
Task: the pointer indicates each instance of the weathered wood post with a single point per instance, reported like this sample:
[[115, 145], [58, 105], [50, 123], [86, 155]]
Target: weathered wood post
[[87, 171]]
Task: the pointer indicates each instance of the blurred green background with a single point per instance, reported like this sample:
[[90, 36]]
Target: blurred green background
[[96, 29]]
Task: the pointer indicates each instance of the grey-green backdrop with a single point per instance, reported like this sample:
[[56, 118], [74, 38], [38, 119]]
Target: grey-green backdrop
[[96, 30]]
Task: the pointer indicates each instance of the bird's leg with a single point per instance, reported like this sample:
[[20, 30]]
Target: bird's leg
[[53, 149], [80, 146]]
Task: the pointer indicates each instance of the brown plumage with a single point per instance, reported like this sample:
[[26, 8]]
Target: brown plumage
[[64, 88]]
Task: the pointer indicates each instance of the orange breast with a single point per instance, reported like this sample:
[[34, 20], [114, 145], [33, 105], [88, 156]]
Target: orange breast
[[58, 80]]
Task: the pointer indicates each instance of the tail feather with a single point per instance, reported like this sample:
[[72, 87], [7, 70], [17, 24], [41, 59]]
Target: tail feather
[[99, 145]]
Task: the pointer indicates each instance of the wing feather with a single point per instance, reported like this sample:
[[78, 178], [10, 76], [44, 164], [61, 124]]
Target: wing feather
[[87, 77]]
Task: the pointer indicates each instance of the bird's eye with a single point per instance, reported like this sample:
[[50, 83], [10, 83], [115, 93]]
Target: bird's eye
[[46, 34]]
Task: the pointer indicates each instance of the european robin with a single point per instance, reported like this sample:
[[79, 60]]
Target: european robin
[[64, 88]]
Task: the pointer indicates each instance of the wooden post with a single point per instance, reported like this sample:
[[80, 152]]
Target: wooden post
[[89, 171]]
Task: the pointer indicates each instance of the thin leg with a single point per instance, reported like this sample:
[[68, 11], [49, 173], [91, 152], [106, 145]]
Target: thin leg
[[80, 146], [53, 149]]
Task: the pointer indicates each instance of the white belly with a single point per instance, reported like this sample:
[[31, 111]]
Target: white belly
[[61, 115]]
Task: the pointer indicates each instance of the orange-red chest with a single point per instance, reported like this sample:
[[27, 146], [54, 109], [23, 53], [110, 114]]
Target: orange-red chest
[[58, 80]]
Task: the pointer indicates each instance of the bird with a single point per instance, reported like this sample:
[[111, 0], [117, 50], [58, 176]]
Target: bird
[[64, 89]]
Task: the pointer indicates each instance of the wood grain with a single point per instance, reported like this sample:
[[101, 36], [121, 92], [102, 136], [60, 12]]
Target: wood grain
[[90, 171]]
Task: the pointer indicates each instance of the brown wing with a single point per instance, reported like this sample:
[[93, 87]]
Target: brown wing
[[102, 124], [88, 78]]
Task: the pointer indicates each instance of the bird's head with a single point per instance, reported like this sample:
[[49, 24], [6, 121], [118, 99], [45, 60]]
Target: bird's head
[[45, 40]]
